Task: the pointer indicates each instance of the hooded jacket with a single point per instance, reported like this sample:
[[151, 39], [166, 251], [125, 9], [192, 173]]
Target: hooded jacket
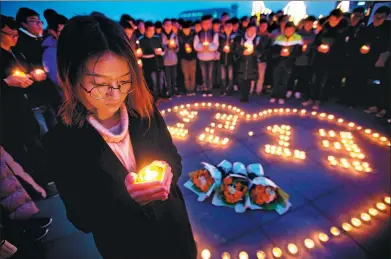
[[49, 58]]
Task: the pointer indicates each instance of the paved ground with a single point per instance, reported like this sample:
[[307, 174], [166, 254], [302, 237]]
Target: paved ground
[[321, 196]]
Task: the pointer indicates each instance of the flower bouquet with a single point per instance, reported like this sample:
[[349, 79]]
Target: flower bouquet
[[265, 194], [233, 188], [202, 182]]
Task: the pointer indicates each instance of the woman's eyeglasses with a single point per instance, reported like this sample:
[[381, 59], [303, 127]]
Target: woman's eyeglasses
[[100, 91], [12, 35]]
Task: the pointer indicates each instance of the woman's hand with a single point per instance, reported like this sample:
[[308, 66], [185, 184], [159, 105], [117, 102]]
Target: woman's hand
[[7, 250], [18, 81], [144, 193]]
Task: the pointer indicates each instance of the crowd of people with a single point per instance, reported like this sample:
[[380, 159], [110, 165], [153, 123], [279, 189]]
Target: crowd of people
[[338, 56]]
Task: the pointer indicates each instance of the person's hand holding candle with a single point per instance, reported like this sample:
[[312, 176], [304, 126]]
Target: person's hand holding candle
[[248, 49], [151, 183], [172, 44], [226, 48], [140, 63], [324, 48], [158, 51], [285, 52], [365, 49], [38, 75], [206, 45], [188, 48], [304, 48], [139, 52], [18, 79]]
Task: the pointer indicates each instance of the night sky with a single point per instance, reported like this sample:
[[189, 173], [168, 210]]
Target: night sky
[[150, 10]]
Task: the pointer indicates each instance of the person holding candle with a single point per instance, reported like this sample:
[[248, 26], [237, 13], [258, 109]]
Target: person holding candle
[[206, 42], [226, 59], [285, 50], [141, 29], [374, 48], [170, 44], [158, 29], [110, 131], [188, 58], [329, 49], [216, 26], [246, 52], [152, 58], [264, 55], [301, 72]]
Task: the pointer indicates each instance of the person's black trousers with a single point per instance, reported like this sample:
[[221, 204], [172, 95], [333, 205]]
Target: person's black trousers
[[244, 88], [282, 73], [303, 75]]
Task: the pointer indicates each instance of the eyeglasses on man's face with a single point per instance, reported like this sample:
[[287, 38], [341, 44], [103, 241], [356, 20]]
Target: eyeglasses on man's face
[[102, 90], [12, 35], [36, 22]]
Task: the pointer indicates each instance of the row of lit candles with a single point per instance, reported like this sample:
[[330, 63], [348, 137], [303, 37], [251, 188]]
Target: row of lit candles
[[178, 132], [346, 163], [309, 243], [284, 151], [23, 74], [213, 139], [330, 117]]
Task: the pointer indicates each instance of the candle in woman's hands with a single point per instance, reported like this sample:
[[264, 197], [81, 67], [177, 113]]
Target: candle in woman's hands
[[139, 52], [304, 48], [324, 47], [39, 71], [226, 48], [153, 172], [140, 63]]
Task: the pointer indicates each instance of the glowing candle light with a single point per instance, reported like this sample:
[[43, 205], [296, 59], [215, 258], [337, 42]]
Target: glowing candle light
[[323, 237], [375, 135], [351, 124], [303, 111], [292, 248], [309, 243], [322, 115], [373, 212], [347, 227], [368, 131], [277, 252], [387, 200], [225, 255], [356, 222], [205, 254], [261, 254], [337, 145], [19, 73], [152, 172], [335, 231], [381, 206], [383, 139], [294, 110], [250, 133], [365, 49], [313, 113], [140, 62], [168, 110], [330, 117], [365, 217], [243, 255], [340, 120]]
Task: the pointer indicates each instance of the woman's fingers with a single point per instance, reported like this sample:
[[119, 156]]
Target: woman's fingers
[[144, 194]]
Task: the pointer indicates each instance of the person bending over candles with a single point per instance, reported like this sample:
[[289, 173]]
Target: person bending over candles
[[110, 130]]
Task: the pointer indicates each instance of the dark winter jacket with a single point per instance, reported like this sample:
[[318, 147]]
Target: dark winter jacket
[[183, 40], [293, 45], [225, 40], [151, 61], [247, 65], [307, 52]]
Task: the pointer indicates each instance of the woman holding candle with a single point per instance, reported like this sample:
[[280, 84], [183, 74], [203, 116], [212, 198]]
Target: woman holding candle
[[111, 130]]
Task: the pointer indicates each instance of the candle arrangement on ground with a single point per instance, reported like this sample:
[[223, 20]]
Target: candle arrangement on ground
[[238, 187], [345, 139], [284, 136]]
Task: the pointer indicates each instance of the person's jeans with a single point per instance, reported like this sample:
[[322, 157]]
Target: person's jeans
[[244, 87], [227, 78], [171, 73], [261, 77], [46, 118], [157, 78], [207, 74], [216, 73], [189, 73]]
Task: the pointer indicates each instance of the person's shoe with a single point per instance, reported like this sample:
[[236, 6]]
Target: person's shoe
[[281, 101], [178, 95], [272, 100], [209, 93], [389, 121], [34, 235], [244, 100], [223, 94], [236, 88], [289, 94], [43, 222], [371, 110], [381, 114], [306, 103], [297, 95], [268, 86]]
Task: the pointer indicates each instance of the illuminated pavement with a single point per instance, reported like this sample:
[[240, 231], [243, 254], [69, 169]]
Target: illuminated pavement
[[321, 196]]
